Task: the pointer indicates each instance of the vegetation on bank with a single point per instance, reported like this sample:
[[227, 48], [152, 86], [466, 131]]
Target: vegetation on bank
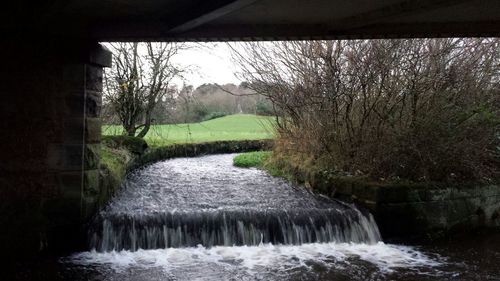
[[117, 152], [231, 127], [420, 110], [115, 160], [265, 160], [251, 159]]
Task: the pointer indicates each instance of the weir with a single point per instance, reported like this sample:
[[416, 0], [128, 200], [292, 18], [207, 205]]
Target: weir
[[206, 201]]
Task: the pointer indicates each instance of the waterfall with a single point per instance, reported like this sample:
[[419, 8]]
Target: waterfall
[[228, 228]]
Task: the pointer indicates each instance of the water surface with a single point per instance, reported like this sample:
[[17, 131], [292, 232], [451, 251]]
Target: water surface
[[204, 219]]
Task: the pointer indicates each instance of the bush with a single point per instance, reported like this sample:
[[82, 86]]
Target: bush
[[264, 107], [422, 110], [214, 115]]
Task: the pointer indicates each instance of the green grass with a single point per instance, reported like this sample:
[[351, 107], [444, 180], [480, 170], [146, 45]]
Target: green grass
[[232, 127], [261, 160], [251, 159]]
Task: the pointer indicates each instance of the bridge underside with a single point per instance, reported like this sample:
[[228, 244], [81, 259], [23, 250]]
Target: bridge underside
[[51, 78], [190, 20]]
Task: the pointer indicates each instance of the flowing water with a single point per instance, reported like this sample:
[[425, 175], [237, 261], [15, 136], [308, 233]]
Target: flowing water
[[206, 201], [204, 219]]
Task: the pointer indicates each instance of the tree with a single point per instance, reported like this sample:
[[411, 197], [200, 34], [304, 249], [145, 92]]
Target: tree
[[421, 109], [139, 80]]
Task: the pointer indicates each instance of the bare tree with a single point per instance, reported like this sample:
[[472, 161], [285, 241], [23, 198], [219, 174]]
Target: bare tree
[[422, 109], [139, 80]]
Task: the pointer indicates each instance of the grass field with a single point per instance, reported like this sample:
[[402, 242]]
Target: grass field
[[232, 127]]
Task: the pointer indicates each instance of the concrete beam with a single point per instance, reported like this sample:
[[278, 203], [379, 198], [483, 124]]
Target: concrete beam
[[203, 20], [387, 12], [208, 14], [328, 32]]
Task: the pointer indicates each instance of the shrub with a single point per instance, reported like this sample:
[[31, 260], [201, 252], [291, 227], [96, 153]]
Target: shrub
[[214, 115], [421, 109]]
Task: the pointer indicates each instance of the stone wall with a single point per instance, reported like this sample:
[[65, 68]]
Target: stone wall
[[51, 98], [404, 209], [410, 210], [428, 211]]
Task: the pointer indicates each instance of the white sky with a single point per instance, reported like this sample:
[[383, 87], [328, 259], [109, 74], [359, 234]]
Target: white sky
[[209, 63]]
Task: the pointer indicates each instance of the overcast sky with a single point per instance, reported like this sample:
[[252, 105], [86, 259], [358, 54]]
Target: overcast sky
[[210, 63]]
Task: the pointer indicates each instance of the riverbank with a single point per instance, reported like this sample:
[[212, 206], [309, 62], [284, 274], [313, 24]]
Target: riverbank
[[402, 209]]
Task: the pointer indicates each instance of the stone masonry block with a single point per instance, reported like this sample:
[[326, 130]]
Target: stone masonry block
[[100, 56], [91, 183], [92, 152], [73, 76], [93, 78], [92, 130], [93, 104], [71, 184], [74, 106], [71, 157], [73, 130], [64, 157]]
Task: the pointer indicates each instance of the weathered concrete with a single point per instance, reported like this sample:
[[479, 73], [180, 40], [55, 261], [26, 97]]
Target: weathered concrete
[[51, 101]]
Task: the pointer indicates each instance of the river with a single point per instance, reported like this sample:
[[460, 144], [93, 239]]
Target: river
[[204, 219]]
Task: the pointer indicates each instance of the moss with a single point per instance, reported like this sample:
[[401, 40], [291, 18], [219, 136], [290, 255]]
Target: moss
[[91, 182], [132, 144], [114, 164], [91, 156], [115, 160]]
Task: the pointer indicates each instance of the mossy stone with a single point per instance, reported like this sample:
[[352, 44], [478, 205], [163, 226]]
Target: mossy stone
[[132, 144]]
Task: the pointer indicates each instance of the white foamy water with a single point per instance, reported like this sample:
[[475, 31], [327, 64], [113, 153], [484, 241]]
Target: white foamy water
[[260, 259], [151, 228]]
